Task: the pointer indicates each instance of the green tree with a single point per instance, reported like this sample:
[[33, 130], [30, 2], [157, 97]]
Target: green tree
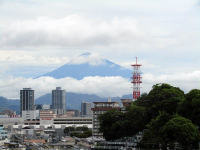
[[80, 132], [168, 129], [163, 97], [156, 113], [115, 124], [192, 94], [110, 124], [152, 136], [135, 120], [68, 130], [164, 91], [190, 107], [82, 128], [181, 130], [142, 100]]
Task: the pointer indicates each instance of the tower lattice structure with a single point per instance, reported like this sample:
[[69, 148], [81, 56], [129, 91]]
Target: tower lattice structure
[[136, 80]]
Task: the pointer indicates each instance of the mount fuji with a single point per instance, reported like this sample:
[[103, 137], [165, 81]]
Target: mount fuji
[[85, 65], [89, 66]]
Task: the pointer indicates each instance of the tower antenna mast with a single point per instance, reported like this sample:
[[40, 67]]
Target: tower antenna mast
[[136, 80]]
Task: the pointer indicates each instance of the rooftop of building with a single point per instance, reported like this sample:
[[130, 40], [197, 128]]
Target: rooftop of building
[[105, 102]]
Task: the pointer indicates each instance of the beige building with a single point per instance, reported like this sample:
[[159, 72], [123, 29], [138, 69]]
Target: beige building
[[46, 117]]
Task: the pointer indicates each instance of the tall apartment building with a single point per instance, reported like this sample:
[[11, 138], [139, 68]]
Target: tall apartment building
[[27, 100], [58, 100], [100, 108], [86, 109]]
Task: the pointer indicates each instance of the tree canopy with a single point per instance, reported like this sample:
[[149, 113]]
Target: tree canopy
[[165, 109], [190, 108], [80, 132], [111, 124], [181, 130]]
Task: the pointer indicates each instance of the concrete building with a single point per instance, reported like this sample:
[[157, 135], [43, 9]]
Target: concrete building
[[3, 133], [42, 106], [27, 100], [126, 102], [32, 122], [74, 121], [45, 106], [11, 121], [30, 114], [100, 108], [46, 117], [70, 113], [86, 109], [59, 101]]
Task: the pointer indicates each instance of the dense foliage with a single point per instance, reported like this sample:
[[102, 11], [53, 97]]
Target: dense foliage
[[165, 115], [80, 132], [190, 108]]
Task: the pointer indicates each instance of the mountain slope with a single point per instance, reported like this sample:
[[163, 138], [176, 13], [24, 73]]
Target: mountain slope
[[79, 71], [9, 104]]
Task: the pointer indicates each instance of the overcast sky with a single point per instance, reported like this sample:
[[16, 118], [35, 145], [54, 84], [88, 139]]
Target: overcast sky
[[40, 35]]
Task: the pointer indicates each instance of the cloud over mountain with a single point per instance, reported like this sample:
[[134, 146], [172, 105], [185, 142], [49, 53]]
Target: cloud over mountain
[[101, 86]]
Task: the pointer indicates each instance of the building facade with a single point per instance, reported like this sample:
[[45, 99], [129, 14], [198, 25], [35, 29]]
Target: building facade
[[86, 109], [3, 133], [42, 106], [46, 116], [59, 101], [101, 108], [30, 114], [27, 100], [73, 121]]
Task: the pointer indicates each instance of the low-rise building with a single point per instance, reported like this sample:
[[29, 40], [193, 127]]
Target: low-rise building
[[11, 121], [32, 122], [46, 117], [74, 121], [126, 102], [42, 106], [70, 113], [30, 114], [100, 108], [3, 133]]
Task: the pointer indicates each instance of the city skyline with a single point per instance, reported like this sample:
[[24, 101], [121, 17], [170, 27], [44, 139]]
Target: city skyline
[[43, 36], [96, 74]]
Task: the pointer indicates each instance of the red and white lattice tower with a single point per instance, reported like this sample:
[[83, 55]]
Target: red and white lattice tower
[[136, 80]]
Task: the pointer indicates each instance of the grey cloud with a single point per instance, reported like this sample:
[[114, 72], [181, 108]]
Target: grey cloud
[[72, 30]]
